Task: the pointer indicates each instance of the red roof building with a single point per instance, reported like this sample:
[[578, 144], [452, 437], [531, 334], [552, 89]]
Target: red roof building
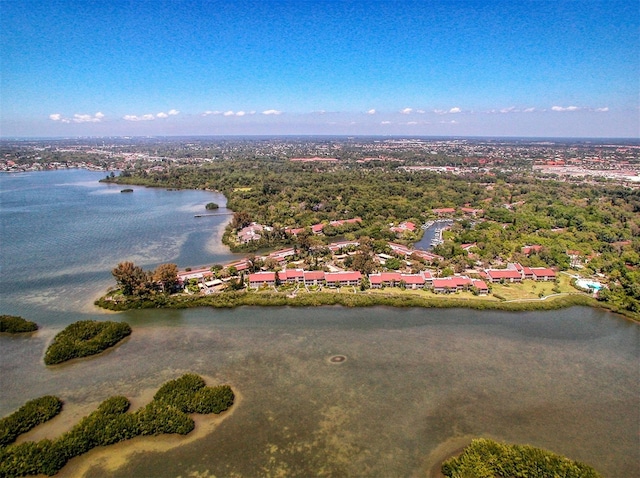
[[543, 273], [282, 254], [530, 249], [313, 277], [471, 211], [294, 231], [291, 275], [403, 227], [451, 284], [339, 279], [413, 281], [481, 286], [384, 279], [507, 275], [260, 279]]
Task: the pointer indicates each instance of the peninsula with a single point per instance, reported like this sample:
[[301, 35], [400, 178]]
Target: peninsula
[[471, 211]]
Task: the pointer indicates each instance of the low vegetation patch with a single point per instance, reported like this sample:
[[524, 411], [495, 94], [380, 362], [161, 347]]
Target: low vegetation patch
[[30, 415], [12, 324], [489, 459], [310, 299], [111, 423], [85, 338]]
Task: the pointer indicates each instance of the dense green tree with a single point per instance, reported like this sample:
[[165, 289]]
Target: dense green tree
[[131, 279], [167, 276], [13, 324]]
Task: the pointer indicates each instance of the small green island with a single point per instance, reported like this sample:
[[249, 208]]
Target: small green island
[[85, 338], [13, 324], [485, 458], [211, 206], [27, 417], [111, 423]]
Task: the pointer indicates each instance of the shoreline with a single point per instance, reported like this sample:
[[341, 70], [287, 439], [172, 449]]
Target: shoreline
[[275, 299]]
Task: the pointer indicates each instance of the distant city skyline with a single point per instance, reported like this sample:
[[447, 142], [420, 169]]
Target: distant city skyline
[[424, 68]]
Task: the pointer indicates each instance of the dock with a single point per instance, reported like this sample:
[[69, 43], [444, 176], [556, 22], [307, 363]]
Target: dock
[[214, 214]]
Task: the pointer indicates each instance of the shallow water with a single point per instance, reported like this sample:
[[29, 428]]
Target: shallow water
[[416, 384], [413, 379]]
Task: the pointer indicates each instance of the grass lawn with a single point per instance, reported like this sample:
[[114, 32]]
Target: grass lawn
[[527, 290], [427, 294], [530, 289]]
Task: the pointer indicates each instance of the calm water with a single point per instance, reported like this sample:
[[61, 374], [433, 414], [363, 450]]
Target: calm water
[[424, 244], [63, 232], [416, 384]]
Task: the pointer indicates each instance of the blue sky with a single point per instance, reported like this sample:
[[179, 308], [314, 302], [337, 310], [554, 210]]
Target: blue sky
[[440, 67]]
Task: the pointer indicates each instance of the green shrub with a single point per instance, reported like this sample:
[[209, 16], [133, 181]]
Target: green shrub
[[180, 392], [12, 324], [213, 399], [85, 338], [109, 423], [489, 459], [159, 417], [190, 395], [30, 415]]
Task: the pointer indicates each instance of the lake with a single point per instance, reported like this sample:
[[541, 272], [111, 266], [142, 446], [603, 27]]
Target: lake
[[415, 386]]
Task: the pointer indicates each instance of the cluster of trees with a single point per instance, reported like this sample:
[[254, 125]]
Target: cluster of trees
[[110, 423], [85, 338], [28, 416], [13, 324], [485, 458], [135, 281], [190, 394]]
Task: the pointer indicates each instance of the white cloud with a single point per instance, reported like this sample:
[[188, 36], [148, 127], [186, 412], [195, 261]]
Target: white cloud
[[228, 113], [412, 122], [240, 113], [510, 109], [406, 111], [440, 112], [371, 111], [272, 112], [78, 118], [455, 109], [528, 110], [81, 118], [564, 108], [148, 117], [163, 115], [385, 122], [209, 112], [421, 112], [602, 110]]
